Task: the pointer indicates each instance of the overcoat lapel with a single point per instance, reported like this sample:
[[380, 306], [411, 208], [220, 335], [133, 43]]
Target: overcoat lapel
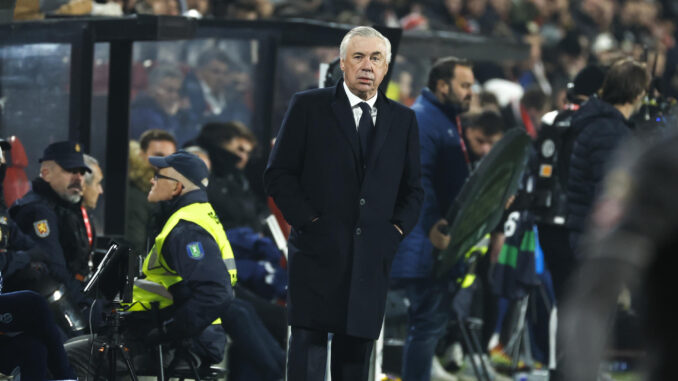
[[384, 122], [342, 111]]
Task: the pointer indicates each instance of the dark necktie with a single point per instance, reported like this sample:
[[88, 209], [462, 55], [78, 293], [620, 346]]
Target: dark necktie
[[365, 127]]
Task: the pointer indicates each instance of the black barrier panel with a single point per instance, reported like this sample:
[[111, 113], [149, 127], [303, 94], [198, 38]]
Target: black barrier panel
[[481, 201]]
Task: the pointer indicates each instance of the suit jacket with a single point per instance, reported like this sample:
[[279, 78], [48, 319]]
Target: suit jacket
[[339, 265]]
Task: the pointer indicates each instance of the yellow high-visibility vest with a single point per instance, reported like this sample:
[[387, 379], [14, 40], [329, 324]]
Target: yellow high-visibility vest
[[159, 276]]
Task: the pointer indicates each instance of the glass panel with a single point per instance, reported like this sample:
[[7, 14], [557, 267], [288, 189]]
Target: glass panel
[[34, 97], [298, 68], [178, 86], [409, 77], [98, 126]]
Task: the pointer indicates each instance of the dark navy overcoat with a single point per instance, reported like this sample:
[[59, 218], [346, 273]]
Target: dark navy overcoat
[[339, 265]]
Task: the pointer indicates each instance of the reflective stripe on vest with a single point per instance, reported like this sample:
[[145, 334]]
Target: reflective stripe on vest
[[159, 276]]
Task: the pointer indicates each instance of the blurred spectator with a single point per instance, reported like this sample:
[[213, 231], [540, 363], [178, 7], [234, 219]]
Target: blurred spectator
[[158, 106], [212, 90], [229, 146], [601, 125], [243, 9], [138, 210], [93, 188], [158, 7]]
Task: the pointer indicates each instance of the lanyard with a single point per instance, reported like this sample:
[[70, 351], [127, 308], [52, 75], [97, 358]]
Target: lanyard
[[85, 219], [529, 127], [463, 145]]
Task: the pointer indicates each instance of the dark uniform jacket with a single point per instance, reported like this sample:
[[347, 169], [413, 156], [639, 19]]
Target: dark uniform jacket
[[599, 128], [57, 226], [13, 246], [205, 290], [339, 265]]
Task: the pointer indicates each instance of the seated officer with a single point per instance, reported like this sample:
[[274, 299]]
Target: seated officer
[[50, 213], [189, 271]]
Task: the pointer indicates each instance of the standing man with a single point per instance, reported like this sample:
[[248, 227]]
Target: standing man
[[600, 125], [345, 174], [446, 161]]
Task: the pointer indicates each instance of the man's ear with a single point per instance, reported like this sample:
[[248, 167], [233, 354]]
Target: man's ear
[[179, 187], [443, 86]]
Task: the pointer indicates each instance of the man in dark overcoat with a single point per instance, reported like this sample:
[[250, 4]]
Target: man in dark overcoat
[[345, 173]]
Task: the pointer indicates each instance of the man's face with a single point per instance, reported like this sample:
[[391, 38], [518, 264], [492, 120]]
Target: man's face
[[166, 94], [68, 184], [458, 91], [92, 191], [364, 66], [163, 189], [240, 147], [215, 75], [159, 148], [479, 143]]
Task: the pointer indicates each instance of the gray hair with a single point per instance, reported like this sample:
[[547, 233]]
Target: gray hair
[[90, 161], [196, 150], [364, 31]]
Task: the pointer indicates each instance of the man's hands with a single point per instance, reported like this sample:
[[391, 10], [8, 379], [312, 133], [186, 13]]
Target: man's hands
[[439, 240]]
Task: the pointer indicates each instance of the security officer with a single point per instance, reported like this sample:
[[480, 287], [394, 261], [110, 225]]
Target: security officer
[[189, 272], [191, 257], [50, 213], [17, 250]]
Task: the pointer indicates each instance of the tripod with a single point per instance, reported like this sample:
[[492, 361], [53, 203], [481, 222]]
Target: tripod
[[114, 347]]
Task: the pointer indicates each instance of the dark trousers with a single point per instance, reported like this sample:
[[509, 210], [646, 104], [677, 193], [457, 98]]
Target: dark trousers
[[559, 256], [38, 347], [307, 356]]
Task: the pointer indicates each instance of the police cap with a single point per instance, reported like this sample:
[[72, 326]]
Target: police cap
[[189, 165], [67, 154]]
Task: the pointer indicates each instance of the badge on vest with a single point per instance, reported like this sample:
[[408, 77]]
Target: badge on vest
[[41, 228], [195, 251]]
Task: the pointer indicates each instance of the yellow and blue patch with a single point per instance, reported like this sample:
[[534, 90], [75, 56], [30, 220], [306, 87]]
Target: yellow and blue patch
[[195, 251], [41, 228]]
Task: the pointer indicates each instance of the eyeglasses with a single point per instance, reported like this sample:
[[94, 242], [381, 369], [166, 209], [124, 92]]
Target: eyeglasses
[[157, 176]]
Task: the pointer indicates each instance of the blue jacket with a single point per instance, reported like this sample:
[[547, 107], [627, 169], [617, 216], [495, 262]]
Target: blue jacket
[[599, 128], [444, 171]]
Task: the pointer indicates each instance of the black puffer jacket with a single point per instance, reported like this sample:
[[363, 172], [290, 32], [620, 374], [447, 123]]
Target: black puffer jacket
[[230, 194], [599, 128]]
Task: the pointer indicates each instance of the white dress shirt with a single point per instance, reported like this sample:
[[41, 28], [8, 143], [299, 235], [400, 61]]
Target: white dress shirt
[[353, 100]]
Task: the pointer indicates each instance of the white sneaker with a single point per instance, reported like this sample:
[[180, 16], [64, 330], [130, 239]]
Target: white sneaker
[[438, 373]]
